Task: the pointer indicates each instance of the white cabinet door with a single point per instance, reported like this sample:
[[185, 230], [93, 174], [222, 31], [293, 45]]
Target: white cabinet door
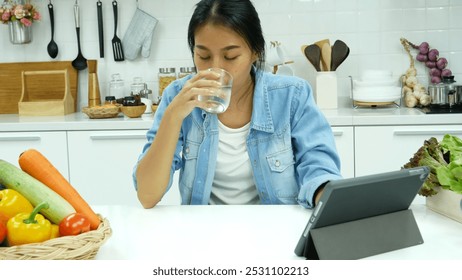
[[388, 148], [101, 164], [53, 145], [344, 140]]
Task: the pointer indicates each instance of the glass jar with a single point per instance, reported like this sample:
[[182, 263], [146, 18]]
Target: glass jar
[[137, 86], [110, 99], [129, 100], [116, 86], [185, 71], [450, 84], [166, 76]]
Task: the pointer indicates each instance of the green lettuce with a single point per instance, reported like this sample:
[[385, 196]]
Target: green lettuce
[[450, 177]]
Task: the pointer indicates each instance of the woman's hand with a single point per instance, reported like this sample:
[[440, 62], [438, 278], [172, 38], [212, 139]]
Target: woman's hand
[[187, 99]]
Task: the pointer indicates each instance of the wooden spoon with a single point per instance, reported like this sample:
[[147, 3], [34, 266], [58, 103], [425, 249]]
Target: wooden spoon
[[313, 54], [326, 53], [340, 52], [320, 44]]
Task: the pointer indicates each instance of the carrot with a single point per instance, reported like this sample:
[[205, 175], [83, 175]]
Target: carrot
[[38, 166]]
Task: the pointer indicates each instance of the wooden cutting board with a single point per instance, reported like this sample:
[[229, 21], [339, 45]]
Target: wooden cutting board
[[11, 83]]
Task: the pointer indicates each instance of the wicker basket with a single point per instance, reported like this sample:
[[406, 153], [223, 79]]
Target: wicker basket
[[102, 112], [84, 246]]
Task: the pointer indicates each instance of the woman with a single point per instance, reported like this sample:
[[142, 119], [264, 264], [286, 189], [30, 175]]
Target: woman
[[271, 146]]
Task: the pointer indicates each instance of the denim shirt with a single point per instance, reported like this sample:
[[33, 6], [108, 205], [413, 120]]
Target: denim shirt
[[290, 144]]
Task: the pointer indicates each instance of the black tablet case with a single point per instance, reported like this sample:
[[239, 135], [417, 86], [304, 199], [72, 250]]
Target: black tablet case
[[364, 216]]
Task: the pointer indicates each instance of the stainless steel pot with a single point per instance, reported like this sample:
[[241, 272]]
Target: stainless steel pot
[[458, 94], [439, 94]]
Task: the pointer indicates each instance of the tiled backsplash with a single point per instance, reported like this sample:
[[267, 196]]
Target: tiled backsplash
[[372, 29]]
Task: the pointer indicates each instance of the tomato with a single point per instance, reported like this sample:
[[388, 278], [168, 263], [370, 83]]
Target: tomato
[[74, 224], [3, 218], [2, 232]]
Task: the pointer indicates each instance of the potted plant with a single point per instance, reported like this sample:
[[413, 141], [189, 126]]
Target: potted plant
[[443, 187], [19, 15]]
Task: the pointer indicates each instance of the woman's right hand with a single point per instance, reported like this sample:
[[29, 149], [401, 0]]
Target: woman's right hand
[[187, 99]]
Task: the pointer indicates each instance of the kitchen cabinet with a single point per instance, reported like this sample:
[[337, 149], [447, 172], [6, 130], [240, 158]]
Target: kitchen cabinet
[[101, 165], [53, 145], [387, 148], [344, 139]]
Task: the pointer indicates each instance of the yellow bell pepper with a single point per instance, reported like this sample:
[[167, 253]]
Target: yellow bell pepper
[[12, 203], [54, 231], [27, 228]]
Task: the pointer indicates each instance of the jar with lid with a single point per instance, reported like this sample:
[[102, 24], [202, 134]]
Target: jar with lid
[[450, 84], [166, 76], [130, 101], [137, 86], [116, 86], [185, 71], [110, 99]]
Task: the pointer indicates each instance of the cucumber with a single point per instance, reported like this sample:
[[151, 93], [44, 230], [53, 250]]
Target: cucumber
[[35, 191]]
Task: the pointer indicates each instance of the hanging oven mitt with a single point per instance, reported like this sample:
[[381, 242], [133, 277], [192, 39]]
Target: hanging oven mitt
[[138, 37]]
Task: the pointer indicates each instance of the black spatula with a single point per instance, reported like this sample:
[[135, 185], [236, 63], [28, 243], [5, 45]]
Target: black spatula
[[116, 42], [340, 52], [313, 54]]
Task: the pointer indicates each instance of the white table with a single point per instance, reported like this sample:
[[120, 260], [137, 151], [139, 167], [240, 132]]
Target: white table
[[239, 233]]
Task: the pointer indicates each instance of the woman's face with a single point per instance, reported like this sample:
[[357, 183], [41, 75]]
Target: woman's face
[[219, 46]]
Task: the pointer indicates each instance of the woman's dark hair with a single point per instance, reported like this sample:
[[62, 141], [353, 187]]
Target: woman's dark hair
[[238, 15]]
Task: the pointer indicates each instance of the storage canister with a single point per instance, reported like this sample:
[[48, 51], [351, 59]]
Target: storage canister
[[110, 99], [438, 94], [185, 71], [116, 86], [450, 84], [166, 76], [137, 86]]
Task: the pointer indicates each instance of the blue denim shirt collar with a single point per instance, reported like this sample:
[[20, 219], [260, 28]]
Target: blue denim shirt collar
[[261, 115]]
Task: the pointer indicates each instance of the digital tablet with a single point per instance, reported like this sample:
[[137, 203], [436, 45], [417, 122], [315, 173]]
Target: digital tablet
[[356, 198]]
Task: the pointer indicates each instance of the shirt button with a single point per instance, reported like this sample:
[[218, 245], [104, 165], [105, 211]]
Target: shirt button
[[277, 163], [186, 150]]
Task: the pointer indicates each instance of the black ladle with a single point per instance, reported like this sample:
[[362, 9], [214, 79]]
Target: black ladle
[[80, 62], [52, 47]]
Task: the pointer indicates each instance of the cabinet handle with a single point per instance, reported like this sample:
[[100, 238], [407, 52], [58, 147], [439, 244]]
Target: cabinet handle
[[21, 138], [118, 137], [337, 132], [427, 132]]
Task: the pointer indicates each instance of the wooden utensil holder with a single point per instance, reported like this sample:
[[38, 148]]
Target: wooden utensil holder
[[38, 86]]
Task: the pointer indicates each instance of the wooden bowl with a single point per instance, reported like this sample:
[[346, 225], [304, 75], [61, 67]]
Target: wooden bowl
[[154, 107], [133, 111]]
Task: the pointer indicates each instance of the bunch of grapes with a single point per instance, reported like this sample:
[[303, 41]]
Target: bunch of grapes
[[436, 64]]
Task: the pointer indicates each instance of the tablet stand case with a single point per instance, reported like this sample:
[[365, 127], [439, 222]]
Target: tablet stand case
[[364, 237]]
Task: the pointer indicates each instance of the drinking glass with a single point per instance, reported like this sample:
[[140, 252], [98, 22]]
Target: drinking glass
[[217, 101]]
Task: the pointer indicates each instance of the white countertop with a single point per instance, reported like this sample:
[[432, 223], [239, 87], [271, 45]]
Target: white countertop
[[345, 116], [240, 233]]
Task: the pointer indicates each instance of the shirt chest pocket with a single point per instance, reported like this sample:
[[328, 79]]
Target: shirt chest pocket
[[191, 150], [282, 176], [188, 172], [281, 161]]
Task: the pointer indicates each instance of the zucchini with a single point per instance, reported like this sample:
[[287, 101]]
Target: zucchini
[[35, 191]]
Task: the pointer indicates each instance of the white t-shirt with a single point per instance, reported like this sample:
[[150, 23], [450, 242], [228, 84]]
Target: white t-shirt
[[233, 182]]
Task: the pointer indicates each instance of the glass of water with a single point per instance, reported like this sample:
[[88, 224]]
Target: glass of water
[[217, 101]]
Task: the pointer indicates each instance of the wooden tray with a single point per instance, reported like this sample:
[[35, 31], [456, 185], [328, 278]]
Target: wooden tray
[[11, 83]]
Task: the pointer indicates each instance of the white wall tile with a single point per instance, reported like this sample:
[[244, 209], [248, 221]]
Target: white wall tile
[[372, 29]]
